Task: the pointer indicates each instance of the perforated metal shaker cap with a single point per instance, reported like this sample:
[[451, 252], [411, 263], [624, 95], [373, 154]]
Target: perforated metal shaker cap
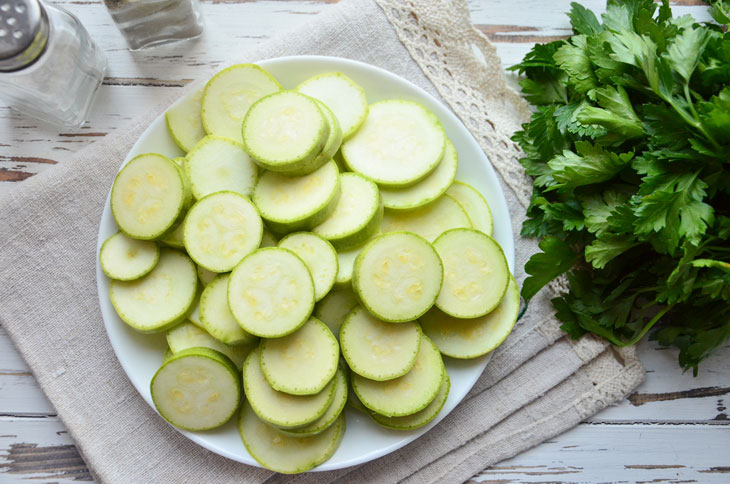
[[23, 33]]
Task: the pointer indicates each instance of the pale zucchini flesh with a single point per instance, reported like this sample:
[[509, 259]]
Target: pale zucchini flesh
[[428, 221], [471, 338], [357, 215], [474, 204], [409, 393], [221, 229], [184, 123], [279, 408], [399, 143], [331, 146], [319, 256], [476, 273], [219, 164], [283, 453], [427, 190], [197, 389], [149, 196], [398, 276], [174, 237], [126, 259], [229, 94], [342, 95], [160, 299], [216, 317], [378, 350], [188, 335], [303, 362], [205, 275], [333, 411], [334, 308], [271, 292], [420, 418]]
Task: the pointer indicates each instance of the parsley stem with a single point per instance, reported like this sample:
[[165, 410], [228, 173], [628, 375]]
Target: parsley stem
[[698, 123], [651, 323]]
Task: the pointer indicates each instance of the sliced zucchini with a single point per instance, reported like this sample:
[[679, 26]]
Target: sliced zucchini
[[167, 355], [271, 292], [318, 255], [334, 140], [279, 452], [303, 362], [285, 131], [126, 259], [162, 298], [476, 273], [221, 229], [229, 94], [398, 276], [196, 389], [278, 408], [194, 316], [378, 350], [174, 238], [426, 190], [216, 317], [399, 143], [268, 239], [333, 411], [474, 204], [290, 203], [149, 196], [409, 393], [420, 418], [357, 215], [188, 335], [220, 164], [334, 308], [183, 121], [428, 221], [471, 338], [205, 275], [340, 93]]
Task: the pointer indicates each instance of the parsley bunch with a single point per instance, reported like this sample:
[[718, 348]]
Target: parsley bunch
[[629, 148]]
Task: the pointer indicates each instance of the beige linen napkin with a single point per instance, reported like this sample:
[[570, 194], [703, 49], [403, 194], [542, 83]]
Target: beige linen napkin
[[537, 385]]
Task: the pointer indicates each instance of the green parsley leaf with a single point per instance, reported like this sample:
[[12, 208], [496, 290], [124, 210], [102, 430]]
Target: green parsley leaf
[[555, 259]]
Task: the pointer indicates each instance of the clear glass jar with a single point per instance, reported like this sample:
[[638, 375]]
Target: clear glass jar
[[147, 23], [62, 74]]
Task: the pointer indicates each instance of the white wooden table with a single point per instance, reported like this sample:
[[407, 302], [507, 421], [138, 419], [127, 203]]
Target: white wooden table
[[675, 428]]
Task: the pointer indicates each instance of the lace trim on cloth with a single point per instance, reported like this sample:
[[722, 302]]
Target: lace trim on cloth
[[449, 47]]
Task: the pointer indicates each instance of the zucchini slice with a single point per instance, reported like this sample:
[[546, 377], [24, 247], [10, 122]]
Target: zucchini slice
[[229, 94], [205, 275], [398, 276], [174, 238], [378, 350], [290, 203], [318, 255], [333, 411], [285, 131], [340, 93], [428, 221], [426, 190], [184, 123], [409, 393], [357, 215], [162, 298], [221, 229], [474, 204], [278, 408], [476, 273], [268, 239], [220, 164], [188, 335], [420, 418], [196, 389], [334, 308], [471, 338], [271, 292], [279, 452], [303, 362], [399, 143], [216, 317], [126, 259], [149, 196]]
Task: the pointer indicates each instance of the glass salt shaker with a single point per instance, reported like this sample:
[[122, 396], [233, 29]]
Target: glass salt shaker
[[49, 66], [147, 23]]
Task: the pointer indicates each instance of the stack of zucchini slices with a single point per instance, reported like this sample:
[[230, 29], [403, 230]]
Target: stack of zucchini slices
[[310, 250]]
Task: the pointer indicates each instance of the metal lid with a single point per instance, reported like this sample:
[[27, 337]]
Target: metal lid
[[23, 33]]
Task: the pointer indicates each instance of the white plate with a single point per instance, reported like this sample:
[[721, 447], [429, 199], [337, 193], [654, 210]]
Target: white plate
[[140, 354]]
